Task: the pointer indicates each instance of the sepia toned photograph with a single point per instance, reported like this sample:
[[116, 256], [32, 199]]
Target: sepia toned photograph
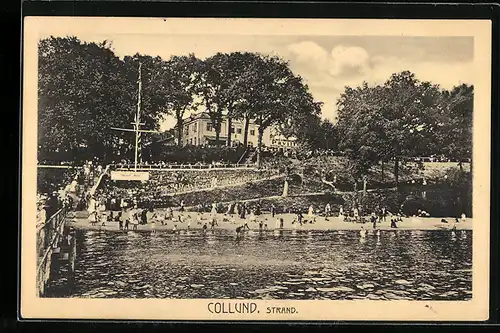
[[255, 173]]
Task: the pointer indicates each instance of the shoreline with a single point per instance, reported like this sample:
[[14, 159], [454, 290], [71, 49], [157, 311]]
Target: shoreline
[[321, 224]]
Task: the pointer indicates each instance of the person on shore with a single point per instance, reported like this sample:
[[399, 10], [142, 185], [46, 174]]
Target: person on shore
[[273, 210], [300, 218], [135, 220], [153, 224], [237, 209], [170, 214], [213, 223], [181, 209], [362, 232], [199, 219], [383, 213], [144, 216], [356, 214], [174, 228], [213, 212], [261, 225], [93, 218], [341, 213], [393, 223], [277, 223], [282, 222], [239, 230], [245, 225], [373, 220], [310, 213], [205, 227], [463, 217], [328, 210], [243, 210], [126, 217], [43, 213], [252, 217]]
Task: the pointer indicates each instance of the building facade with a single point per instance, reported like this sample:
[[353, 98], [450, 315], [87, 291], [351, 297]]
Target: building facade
[[197, 130]]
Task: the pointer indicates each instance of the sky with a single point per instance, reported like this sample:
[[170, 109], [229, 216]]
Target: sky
[[327, 63]]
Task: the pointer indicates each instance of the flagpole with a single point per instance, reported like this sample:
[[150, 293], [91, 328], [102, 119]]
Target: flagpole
[[137, 120]]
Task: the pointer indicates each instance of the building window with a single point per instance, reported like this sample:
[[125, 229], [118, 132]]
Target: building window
[[209, 127], [195, 141], [232, 130], [191, 141], [252, 132], [186, 130], [238, 130], [195, 127]]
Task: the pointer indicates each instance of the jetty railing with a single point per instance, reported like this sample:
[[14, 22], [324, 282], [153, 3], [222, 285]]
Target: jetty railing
[[49, 235]]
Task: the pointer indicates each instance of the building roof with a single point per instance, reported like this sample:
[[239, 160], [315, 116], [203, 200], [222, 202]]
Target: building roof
[[194, 116]]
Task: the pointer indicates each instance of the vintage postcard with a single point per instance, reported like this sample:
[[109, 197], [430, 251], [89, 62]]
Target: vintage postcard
[[255, 169]]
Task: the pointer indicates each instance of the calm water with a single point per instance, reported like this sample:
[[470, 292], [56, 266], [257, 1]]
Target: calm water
[[417, 265]]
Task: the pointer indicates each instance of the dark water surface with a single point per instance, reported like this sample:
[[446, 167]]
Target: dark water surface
[[402, 264]]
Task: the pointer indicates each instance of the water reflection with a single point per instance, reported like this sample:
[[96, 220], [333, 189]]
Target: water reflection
[[395, 264]]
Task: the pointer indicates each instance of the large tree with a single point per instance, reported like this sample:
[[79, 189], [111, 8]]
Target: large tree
[[182, 77], [388, 122], [277, 96], [455, 123], [85, 89], [82, 91]]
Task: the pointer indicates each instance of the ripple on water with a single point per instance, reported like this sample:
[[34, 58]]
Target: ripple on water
[[315, 266]]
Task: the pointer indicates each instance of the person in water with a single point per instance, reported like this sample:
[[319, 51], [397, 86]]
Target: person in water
[[238, 230], [214, 223]]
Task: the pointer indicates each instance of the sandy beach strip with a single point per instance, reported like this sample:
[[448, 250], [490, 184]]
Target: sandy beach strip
[[225, 222]]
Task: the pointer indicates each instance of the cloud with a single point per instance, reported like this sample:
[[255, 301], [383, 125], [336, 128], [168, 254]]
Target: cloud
[[348, 58], [308, 52]]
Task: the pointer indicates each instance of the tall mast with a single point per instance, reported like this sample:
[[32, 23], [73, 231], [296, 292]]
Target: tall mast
[[137, 119]]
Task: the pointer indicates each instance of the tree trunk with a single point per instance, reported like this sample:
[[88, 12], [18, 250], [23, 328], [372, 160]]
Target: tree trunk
[[179, 131], [383, 176], [259, 146], [396, 172], [217, 135], [245, 135], [229, 134]]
